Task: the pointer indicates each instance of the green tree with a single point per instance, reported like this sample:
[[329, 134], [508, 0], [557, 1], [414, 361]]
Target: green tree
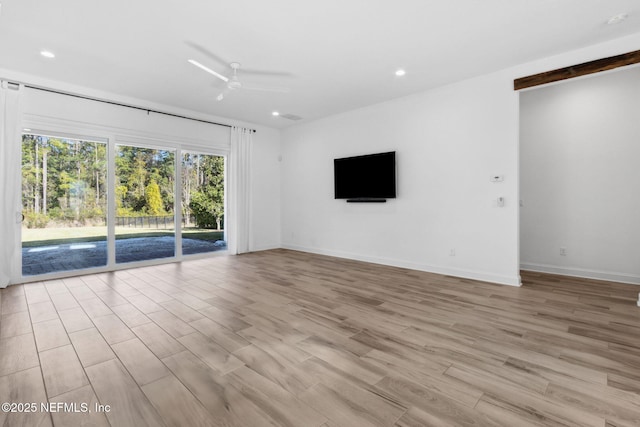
[[136, 168], [154, 199], [207, 202], [63, 179]]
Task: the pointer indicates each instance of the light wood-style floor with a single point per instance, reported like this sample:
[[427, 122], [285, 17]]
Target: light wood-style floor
[[282, 338]]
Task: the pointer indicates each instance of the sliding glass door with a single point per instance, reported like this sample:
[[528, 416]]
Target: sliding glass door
[[64, 204], [165, 203], [145, 224], [203, 203]]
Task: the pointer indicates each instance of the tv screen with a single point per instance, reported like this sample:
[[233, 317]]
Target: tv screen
[[365, 177]]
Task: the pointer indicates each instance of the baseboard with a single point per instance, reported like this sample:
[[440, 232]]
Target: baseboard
[[582, 272], [466, 274], [265, 248]]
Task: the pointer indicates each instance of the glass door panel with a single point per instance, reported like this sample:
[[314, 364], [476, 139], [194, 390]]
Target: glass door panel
[[64, 204], [144, 187], [203, 196]]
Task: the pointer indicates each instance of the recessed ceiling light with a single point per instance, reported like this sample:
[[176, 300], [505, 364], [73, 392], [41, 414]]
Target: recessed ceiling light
[[275, 113], [400, 72], [617, 18], [47, 54]]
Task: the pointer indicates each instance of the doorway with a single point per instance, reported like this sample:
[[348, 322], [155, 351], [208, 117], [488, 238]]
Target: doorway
[[579, 175]]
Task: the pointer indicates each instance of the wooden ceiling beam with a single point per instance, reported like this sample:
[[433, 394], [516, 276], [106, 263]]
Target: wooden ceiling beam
[[579, 70]]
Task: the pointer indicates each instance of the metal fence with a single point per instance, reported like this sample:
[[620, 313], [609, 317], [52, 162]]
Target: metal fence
[[153, 222]]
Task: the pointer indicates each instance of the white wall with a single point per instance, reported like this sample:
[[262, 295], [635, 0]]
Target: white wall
[[266, 223], [448, 141], [580, 177]]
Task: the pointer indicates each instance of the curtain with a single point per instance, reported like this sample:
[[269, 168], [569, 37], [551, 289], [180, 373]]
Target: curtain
[[240, 191], [10, 176]]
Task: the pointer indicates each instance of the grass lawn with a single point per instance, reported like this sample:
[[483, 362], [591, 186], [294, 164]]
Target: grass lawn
[[35, 237]]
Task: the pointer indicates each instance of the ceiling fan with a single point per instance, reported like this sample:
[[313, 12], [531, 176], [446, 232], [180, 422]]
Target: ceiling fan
[[233, 82]]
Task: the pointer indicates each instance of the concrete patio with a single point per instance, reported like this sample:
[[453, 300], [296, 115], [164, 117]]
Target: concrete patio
[[76, 256]]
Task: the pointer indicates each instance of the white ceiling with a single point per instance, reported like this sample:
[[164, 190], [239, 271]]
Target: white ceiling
[[334, 55]]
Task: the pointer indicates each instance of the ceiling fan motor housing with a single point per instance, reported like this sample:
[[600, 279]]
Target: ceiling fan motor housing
[[234, 83]]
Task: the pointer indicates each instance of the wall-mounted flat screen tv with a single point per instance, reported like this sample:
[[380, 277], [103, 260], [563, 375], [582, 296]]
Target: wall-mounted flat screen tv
[[365, 178]]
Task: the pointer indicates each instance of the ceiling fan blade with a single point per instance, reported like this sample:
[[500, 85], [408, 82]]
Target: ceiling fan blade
[[206, 53], [266, 88], [208, 70], [266, 72]]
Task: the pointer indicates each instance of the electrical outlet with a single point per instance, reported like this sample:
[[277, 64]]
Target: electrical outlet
[[563, 251], [452, 252]]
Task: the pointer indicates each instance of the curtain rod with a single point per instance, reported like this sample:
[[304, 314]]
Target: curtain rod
[[148, 110]]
